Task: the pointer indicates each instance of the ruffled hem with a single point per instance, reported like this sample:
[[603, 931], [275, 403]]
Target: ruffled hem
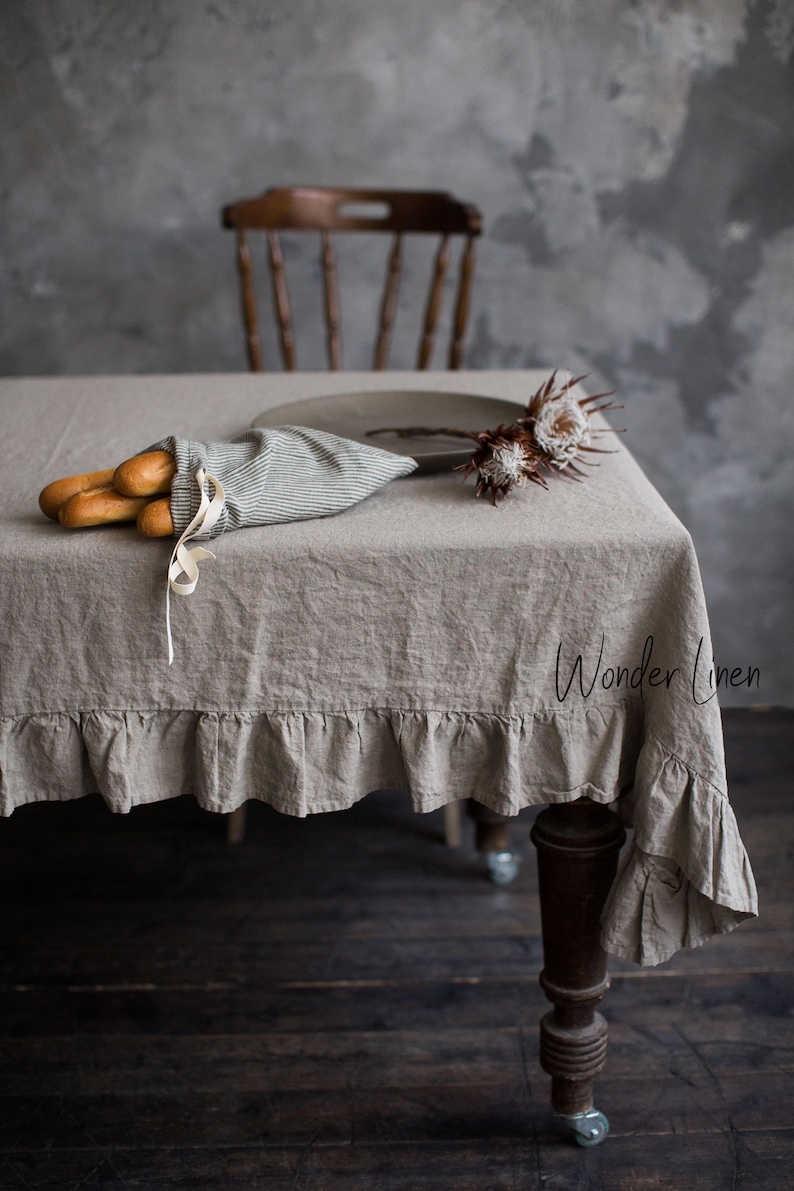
[[686, 875], [305, 762]]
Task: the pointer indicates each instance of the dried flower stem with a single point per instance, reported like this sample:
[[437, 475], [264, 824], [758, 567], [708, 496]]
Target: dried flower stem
[[423, 431]]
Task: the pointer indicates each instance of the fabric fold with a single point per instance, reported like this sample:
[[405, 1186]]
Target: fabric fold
[[686, 875]]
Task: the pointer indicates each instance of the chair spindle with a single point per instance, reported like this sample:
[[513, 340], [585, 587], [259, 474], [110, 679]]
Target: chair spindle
[[462, 304], [388, 305], [281, 300], [433, 304], [331, 303], [253, 343]]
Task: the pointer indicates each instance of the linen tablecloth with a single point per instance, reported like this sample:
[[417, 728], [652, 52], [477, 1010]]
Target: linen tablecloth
[[421, 640]]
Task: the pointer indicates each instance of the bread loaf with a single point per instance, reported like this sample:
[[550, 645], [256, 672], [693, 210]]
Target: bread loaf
[[154, 520], [99, 506], [58, 492], [145, 475]]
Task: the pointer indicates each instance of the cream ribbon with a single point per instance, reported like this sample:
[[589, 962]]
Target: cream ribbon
[[184, 559]]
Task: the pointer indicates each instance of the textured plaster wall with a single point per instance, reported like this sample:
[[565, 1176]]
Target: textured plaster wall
[[633, 159]]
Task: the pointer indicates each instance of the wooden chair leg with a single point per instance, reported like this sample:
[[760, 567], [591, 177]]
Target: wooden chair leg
[[578, 844], [490, 828], [491, 841], [453, 825], [235, 825]]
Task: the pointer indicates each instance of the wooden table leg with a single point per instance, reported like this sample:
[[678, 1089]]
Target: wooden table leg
[[578, 844]]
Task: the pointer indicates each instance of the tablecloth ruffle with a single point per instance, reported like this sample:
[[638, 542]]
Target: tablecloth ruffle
[[302, 762], [686, 875]]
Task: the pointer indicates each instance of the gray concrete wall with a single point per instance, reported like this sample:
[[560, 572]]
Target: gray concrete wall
[[633, 160]]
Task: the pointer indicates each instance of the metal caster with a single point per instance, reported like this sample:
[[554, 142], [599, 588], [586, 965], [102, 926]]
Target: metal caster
[[503, 867], [589, 1128]]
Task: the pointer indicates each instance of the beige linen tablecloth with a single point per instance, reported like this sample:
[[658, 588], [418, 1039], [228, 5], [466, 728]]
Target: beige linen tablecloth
[[421, 640]]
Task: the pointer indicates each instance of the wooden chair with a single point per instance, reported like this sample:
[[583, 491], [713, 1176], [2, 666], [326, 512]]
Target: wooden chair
[[329, 209], [326, 210]]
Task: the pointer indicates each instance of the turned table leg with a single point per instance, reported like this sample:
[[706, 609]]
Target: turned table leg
[[578, 844]]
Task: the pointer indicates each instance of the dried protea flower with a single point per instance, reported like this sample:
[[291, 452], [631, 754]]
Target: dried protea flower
[[553, 433], [561, 428], [505, 457], [560, 424]]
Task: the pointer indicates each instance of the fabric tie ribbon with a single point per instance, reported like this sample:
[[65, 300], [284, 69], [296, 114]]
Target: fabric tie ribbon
[[184, 558]]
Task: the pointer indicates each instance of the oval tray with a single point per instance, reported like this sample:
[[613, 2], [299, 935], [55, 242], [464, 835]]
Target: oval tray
[[351, 415]]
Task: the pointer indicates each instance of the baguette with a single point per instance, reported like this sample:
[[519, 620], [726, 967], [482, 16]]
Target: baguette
[[99, 506], [58, 492], [154, 519], [145, 475]]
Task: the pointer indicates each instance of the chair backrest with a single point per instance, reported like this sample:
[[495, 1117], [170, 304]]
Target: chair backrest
[[327, 210]]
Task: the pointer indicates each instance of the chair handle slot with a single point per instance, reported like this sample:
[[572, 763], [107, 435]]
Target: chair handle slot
[[353, 209]]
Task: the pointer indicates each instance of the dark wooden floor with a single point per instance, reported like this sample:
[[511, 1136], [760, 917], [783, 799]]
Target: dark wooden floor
[[340, 1002]]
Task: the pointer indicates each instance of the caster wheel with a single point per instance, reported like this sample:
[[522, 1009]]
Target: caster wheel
[[503, 867], [588, 1128]]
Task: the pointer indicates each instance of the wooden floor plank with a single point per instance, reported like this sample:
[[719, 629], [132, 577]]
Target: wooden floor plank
[[431, 1005], [399, 1058], [193, 963], [721, 1160], [505, 912], [637, 1106], [480, 911]]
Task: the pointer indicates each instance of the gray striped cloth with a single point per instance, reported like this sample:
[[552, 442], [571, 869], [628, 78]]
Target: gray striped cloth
[[286, 473]]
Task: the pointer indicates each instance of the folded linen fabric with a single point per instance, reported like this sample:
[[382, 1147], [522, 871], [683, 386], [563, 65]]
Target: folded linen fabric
[[287, 473]]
